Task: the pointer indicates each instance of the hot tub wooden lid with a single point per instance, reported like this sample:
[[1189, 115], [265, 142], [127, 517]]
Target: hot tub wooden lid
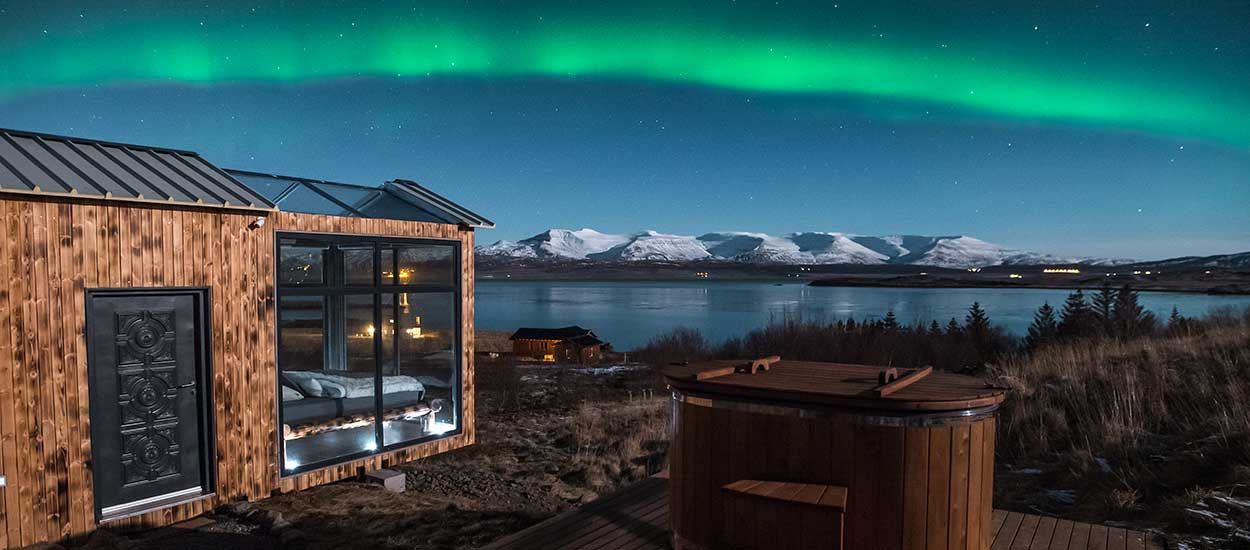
[[835, 384]]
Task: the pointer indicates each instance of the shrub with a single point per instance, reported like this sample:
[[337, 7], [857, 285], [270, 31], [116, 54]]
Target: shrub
[[1164, 412], [680, 345]]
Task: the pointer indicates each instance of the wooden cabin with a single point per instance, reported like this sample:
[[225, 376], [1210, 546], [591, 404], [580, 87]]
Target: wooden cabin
[[174, 336], [566, 345]]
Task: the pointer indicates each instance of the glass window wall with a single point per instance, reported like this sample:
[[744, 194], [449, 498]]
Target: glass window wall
[[369, 346]]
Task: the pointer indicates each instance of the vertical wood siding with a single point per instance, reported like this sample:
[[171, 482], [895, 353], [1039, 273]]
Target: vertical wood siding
[[924, 488], [52, 251]]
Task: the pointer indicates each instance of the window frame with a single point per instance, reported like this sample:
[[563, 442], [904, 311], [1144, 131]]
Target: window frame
[[333, 286]]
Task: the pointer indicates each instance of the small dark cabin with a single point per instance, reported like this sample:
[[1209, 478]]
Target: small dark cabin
[[568, 344]]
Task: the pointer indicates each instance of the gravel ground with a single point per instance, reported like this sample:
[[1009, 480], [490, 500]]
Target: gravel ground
[[548, 440]]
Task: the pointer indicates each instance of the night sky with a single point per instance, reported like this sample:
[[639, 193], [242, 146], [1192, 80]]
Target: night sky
[[1102, 129]]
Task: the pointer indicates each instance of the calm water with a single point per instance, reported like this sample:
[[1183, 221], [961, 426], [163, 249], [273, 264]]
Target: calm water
[[628, 314]]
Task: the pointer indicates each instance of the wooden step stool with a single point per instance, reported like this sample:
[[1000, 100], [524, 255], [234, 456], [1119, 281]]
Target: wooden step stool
[[774, 514]]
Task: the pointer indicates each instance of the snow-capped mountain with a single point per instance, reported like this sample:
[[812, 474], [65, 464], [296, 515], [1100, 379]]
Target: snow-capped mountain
[[836, 248], [810, 248], [653, 246], [558, 243]]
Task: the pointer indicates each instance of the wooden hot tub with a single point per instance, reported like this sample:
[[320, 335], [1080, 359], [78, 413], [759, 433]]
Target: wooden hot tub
[[826, 455]]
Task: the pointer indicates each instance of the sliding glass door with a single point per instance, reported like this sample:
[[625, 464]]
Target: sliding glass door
[[368, 345]]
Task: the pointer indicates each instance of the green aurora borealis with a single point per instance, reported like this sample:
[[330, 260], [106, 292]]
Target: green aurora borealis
[[974, 69]]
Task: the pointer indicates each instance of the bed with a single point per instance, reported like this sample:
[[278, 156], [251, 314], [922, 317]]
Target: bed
[[318, 396]]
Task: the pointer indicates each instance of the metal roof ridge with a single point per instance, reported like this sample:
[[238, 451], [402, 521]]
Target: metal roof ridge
[[447, 206], [296, 178], [48, 135]]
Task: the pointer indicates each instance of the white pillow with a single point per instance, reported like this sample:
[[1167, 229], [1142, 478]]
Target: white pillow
[[307, 382], [291, 394], [330, 388]]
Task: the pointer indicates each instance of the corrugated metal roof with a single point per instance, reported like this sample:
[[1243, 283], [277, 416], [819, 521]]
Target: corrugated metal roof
[[47, 164], [393, 200]]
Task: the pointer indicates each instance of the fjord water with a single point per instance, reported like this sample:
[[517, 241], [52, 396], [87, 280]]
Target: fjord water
[[629, 313]]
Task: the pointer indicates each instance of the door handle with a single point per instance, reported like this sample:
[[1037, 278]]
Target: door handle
[[187, 385]]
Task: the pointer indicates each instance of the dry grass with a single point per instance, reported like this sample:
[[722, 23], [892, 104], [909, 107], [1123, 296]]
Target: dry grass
[[1136, 424], [617, 440], [500, 382]]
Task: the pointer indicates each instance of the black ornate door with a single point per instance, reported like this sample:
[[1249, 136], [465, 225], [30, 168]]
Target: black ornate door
[[149, 398]]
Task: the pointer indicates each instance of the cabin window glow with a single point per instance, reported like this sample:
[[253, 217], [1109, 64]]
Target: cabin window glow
[[368, 361]]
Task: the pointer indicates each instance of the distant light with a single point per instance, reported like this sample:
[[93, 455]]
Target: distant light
[[370, 445], [291, 464], [1016, 276]]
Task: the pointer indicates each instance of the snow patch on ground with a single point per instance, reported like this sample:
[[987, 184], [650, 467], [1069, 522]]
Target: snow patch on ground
[[610, 370]]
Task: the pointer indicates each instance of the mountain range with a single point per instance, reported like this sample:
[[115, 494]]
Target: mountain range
[[803, 248]]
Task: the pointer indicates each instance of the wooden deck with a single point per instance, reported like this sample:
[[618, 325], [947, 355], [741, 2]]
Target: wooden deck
[[637, 519]]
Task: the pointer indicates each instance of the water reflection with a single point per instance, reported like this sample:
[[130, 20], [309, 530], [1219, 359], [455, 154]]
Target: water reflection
[[629, 313]]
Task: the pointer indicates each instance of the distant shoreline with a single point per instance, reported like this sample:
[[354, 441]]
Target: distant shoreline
[[1229, 283], [1192, 287]]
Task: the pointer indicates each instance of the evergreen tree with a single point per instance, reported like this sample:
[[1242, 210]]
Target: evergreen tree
[[1044, 328], [1076, 317], [977, 323], [935, 329], [850, 325], [953, 328], [1176, 323], [890, 323], [977, 327], [1104, 309], [1130, 318]]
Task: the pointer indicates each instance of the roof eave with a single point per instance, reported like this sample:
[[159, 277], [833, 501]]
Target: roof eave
[[138, 201], [413, 193]]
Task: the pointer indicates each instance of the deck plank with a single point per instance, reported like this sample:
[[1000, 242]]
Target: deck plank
[[1045, 532], [1062, 536], [636, 518], [1009, 531]]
